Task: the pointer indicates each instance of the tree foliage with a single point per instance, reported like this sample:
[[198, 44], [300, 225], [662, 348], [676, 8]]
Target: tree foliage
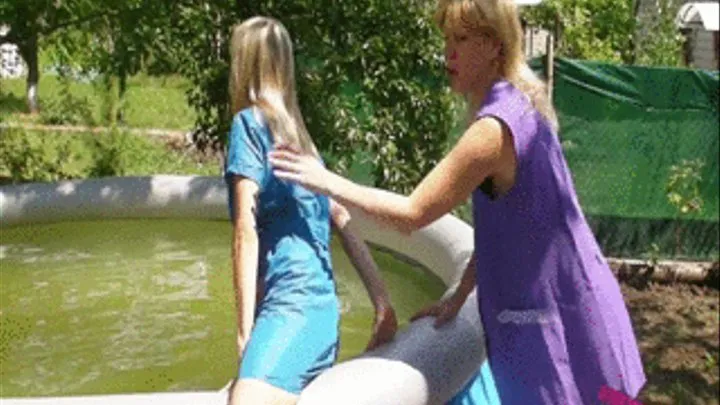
[[369, 76], [107, 37], [588, 29], [660, 42], [369, 72], [31, 22], [612, 30], [115, 45]]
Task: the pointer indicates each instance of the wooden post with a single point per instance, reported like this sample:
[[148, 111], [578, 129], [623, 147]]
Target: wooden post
[[531, 41], [549, 64]]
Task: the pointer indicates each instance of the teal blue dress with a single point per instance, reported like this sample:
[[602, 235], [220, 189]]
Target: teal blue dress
[[296, 331]]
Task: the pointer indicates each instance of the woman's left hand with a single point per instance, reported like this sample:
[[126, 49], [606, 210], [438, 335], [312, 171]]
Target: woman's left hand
[[303, 169], [384, 328]]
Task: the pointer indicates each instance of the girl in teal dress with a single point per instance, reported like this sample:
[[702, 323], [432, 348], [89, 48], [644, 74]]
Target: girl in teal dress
[[287, 306]]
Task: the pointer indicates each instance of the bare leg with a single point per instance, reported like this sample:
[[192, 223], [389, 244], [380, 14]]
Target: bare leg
[[257, 392]]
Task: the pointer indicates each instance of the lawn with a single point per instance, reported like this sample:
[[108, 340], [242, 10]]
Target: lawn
[[152, 102], [30, 156]]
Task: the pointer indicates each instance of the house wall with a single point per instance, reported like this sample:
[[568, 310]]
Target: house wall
[[703, 45], [11, 64], [705, 49], [535, 42]]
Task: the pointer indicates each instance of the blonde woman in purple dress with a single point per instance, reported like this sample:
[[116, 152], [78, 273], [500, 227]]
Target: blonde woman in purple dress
[[558, 331]]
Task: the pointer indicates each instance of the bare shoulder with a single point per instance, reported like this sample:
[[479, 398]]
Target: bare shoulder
[[488, 130], [483, 142]]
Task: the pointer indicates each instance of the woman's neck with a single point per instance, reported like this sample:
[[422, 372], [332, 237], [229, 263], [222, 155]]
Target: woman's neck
[[476, 98]]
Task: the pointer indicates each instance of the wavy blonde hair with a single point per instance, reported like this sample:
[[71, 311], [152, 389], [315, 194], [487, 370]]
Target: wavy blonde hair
[[262, 75], [501, 19]]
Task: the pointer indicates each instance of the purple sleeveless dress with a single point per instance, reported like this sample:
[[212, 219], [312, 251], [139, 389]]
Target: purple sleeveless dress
[[558, 331]]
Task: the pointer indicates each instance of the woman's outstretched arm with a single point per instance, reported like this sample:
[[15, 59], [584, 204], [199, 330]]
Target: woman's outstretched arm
[[475, 157]]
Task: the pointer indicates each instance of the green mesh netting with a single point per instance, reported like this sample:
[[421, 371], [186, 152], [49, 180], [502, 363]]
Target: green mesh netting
[[623, 128]]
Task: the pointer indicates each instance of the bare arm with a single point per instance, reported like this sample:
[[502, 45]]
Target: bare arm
[[244, 256], [447, 185], [385, 325], [447, 308], [467, 283], [476, 156], [360, 256]]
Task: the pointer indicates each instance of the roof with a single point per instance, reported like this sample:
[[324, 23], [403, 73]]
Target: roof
[[704, 14]]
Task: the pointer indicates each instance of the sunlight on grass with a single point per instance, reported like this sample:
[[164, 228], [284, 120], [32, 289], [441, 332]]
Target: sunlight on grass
[[27, 156], [151, 102]]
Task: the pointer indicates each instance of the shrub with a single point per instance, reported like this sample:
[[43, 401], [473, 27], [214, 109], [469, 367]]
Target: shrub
[[33, 156], [68, 109], [26, 156]]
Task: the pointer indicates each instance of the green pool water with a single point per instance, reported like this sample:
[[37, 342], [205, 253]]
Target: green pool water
[[146, 305]]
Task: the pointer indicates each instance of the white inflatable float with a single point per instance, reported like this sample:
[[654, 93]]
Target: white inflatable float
[[423, 365]]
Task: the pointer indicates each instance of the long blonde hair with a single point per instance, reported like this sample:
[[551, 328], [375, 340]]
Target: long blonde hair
[[501, 17], [262, 75]]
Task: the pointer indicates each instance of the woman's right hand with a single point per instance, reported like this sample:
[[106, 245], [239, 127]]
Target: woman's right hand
[[444, 310], [302, 168]]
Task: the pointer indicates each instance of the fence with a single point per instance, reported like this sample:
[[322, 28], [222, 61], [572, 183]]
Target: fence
[[623, 128]]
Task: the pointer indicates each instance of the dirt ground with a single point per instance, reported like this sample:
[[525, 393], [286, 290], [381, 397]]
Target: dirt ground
[[677, 327]]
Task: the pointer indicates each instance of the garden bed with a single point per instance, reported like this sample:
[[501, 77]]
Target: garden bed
[[677, 326]]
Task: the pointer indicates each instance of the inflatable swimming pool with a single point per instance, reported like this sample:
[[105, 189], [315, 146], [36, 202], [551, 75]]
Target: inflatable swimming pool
[[423, 365]]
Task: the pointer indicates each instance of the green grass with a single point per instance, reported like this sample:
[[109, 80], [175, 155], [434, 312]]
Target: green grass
[[151, 102], [41, 156]]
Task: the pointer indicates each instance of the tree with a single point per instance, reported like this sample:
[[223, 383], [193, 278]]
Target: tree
[[115, 45], [369, 72], [31, 21], [110, 37], [588, 29], [659, 41], [611, 30]]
